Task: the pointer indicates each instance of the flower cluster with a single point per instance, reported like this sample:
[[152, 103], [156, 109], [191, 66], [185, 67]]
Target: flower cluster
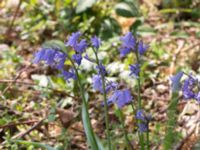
[[129, 44], [52, 57], [78, 46], [56, 58], [119, 97], [190, 87]]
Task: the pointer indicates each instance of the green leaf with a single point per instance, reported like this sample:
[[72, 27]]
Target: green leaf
[[84, 5], [171, 135], [126, 9], [135, 26], [35, 144], [89, 131], [55, 44]]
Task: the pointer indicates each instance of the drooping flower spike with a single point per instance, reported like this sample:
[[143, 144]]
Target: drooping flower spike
[[190, 86], [52, 57], [129, 44]]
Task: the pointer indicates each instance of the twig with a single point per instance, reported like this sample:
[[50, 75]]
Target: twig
[[180, 144], [20, 82], [191, 47], [37, 125], [15, 79], [78, 130], [15, 15], [18, 123]]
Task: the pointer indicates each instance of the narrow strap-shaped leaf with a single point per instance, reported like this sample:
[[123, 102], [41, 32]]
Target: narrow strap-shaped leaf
[[171, 135], [88, 131]]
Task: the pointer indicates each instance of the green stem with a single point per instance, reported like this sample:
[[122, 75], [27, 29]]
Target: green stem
[[129, 145], [105, 103], [147, 134], [84, 103], [141, 136]]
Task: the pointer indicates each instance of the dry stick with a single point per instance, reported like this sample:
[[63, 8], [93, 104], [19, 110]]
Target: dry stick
[[180, 144], [15, 15], [191, 47], [29, 130], [15, 79], [20, 82], [20, 135], [18, 123]]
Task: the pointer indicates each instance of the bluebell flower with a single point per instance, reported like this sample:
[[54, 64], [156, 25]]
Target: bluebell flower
[[97, 83], [96, 42], [128, 41], [49, 56], [142, 48], [81, 46], [188, 88], [39, 56], [60, 59], [77, 58], [140, 115], [176, 84], [111, 86], [144, 120], [124, 51], [73, 39], [121, 97], [52, 57], [143, 127], [135, 70], [68, 75], [101, 69]]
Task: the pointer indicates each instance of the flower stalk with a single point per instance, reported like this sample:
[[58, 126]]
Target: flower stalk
[[105, 102], [85, 104], [141, 136]]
